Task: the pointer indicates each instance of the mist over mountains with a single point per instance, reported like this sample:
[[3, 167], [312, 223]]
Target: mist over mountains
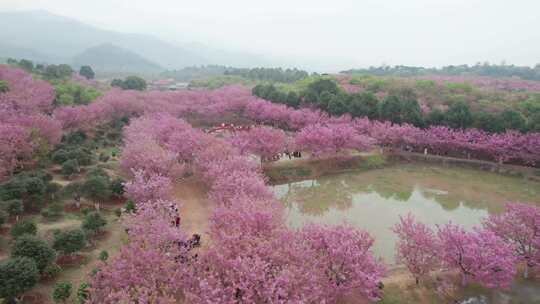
[[45, 37]]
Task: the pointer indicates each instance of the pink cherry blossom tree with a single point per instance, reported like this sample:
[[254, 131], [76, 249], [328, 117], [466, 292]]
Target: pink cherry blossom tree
[[519, 225], [417, 247], [147, 188], [262, 141], [478, 256]]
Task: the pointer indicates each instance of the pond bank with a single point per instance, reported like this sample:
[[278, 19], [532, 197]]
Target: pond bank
[[284, 171]]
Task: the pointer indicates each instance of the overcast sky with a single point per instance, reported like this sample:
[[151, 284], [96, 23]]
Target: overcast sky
[[338, 33]]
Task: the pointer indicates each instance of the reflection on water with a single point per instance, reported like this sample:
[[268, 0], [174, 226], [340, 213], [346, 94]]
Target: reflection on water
[[374, 200]]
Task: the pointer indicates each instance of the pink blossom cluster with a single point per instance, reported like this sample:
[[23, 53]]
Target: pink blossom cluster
[[265, 142], [25, 124], [487, 255], [25, 94], [324, 139]]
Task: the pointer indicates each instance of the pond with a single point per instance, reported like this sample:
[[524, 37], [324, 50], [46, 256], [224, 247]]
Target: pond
[[373, 200]]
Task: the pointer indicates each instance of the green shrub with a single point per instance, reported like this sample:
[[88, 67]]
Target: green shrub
[[70, 167], [103, 255], [14, 207], [68, 242], [54, 211], [3, 217], [53, 189], [117, 187], [130, 206], [61, 292], [17, 275], [82, 293], [31, 247], [82, 155], [60, 156], [373, 162], [51, 270], [23, 227], [85, 211]]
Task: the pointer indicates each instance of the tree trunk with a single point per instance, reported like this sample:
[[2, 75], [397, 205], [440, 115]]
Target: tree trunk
[[526, 272], [417, 280]]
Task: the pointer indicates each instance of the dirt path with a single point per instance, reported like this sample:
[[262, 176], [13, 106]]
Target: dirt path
[[195, 208]]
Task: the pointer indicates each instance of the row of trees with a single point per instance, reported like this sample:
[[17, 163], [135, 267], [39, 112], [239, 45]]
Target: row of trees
[[51, 72], [480, 69], [487, 255], [217, 105], [400, 107], [269, 74]]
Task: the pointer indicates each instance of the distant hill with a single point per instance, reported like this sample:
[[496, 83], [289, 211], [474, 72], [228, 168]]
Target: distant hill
[[11, 51], [110, 58], [56, 39]]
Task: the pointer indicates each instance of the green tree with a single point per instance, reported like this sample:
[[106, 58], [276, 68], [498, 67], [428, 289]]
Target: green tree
[[324, 85], [4, 86], [339, 104], [459, 115], [293, 100], [26, 65], [59, 156], [69, 242], [22, 228], [17, 275], [31, 247], [93, 222], [14, 207], [512, 120], [87, 72], [74, 190], [57, 72], [364, 104], [70, 167], [61, 292], [487, 122], [533, 123], [29, 187], [435, 118], [131, 83], [390, 109], [3, 217], [96, 188], [411, 112]]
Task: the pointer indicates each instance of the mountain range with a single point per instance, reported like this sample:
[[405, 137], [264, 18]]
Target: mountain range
[[45, 37]]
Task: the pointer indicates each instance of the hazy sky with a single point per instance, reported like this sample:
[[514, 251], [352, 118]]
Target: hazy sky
[[323, 33]]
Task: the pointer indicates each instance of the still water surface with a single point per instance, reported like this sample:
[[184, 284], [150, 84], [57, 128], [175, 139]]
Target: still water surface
[[374, 200]]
